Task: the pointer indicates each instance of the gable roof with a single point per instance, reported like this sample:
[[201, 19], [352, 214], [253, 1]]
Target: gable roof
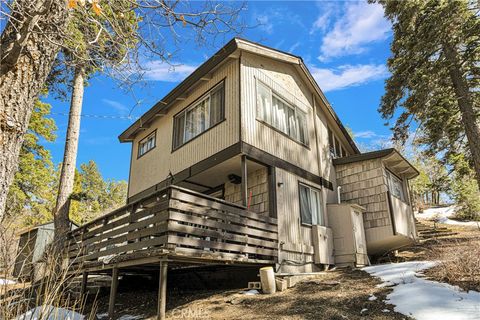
[[162, 106]]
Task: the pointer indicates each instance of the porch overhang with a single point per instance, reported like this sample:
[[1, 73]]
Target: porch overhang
[[393, 160]]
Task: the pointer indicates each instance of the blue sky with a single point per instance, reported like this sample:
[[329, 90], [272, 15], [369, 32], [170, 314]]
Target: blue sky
[[344, 44]]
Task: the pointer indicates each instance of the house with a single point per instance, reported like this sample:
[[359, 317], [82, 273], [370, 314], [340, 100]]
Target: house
[[238, 164]]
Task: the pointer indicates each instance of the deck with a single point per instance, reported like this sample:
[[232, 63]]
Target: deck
[[176, 225]]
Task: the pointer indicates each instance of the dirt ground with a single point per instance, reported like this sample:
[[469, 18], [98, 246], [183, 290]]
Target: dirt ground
[[339, 294]]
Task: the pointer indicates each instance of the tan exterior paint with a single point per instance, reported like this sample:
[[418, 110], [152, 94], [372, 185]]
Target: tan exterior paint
[[349, 239], [257, 186], [365, 183], [154, 166], [296, 239]]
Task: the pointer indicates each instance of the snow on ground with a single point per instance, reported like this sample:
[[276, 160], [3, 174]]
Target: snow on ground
[[443, 215], [6, 281], [424, 299], [50, 313]]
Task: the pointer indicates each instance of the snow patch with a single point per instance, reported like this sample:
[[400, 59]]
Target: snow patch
[[443, 215], [372, 298], [425, 299], [4, 282], [50, 313]]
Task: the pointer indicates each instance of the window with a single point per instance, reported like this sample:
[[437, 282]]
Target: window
[[395, 185], [278, 113], [310, 206], [147, 144], [196, 119], [336, 148]]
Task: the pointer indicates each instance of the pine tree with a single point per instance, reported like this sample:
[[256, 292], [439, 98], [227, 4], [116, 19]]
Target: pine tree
[[31, 196], [435, 75]]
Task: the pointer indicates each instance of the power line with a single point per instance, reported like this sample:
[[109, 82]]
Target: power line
[[97, 116]]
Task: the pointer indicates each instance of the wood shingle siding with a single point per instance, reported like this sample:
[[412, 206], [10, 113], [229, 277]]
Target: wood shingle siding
[[364, 183]]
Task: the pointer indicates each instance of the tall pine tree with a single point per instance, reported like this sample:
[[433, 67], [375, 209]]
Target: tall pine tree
[[435, 75]]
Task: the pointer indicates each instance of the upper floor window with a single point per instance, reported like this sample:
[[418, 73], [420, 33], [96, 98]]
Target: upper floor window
[[311, 206], [395, 185], [281, 115], [199, 117], [335, 146], [147, 143]]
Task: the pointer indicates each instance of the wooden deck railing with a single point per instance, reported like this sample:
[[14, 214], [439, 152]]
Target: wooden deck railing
[[177, 221]]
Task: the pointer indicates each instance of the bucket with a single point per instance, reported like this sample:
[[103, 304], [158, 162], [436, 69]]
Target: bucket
[[267, 278]]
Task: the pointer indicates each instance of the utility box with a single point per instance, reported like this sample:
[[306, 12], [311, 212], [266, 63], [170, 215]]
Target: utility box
[[350, 246], [323, 245]]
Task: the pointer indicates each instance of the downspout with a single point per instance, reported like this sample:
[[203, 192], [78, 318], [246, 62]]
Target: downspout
[[319, 160], [338, 194]]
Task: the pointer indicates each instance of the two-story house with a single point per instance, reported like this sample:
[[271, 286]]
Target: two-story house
[[246, 162], [251, 126]]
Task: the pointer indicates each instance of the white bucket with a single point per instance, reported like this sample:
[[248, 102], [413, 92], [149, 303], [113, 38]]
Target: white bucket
[[267, 278]]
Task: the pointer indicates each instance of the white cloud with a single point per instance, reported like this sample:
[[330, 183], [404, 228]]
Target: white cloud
[[328, 10], [293, 47], [348, 76], [120, 107], [264, 23], [362, 24], [365, 134], [161, 71]]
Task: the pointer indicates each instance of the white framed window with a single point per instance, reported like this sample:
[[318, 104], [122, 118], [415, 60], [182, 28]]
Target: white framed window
[[202, 115], [395, 185], [311, 209], [147, 143], [280, 114]]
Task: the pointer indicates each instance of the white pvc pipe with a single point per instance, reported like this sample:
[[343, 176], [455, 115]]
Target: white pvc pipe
[[338, 194]]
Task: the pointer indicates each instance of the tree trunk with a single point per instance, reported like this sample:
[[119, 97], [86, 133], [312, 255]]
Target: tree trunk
[[28, 49], [67, 175], [465, 104]]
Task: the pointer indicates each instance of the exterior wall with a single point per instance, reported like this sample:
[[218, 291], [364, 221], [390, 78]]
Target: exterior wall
[[296, 239], [155, 165], [284, 80], [364, 183], [257, 185]]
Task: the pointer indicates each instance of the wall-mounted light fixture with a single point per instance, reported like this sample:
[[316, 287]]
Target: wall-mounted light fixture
[[280, 184]]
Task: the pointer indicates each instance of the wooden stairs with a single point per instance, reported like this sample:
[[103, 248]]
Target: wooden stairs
[[427, 231]]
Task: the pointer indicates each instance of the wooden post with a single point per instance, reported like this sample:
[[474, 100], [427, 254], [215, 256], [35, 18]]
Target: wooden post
[[244, 189], [83, 288], [113, 294], [162, 290]]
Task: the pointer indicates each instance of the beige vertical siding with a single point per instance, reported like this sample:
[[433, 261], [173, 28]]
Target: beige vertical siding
[[286, 82], [297, 238], [155, 166]]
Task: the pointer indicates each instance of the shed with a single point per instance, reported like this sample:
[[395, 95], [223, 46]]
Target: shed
[[31, 247], [350, 248]]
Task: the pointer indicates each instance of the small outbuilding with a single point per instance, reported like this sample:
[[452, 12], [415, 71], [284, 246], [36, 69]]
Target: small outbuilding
[[350, 248], [31, 248]]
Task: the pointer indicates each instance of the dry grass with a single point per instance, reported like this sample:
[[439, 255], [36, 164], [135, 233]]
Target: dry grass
[[459, 263], [52, 286], [458, 256]]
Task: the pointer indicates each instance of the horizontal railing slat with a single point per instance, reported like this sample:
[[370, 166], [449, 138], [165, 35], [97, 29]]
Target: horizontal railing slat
[[179, 220]]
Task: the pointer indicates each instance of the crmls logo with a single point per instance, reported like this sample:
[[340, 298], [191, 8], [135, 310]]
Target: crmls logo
[[190, 313]]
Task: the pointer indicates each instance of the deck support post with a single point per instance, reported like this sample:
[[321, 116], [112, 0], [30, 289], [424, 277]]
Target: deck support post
[[113, 294], [244, 187], [162, 291], [83, 288]]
